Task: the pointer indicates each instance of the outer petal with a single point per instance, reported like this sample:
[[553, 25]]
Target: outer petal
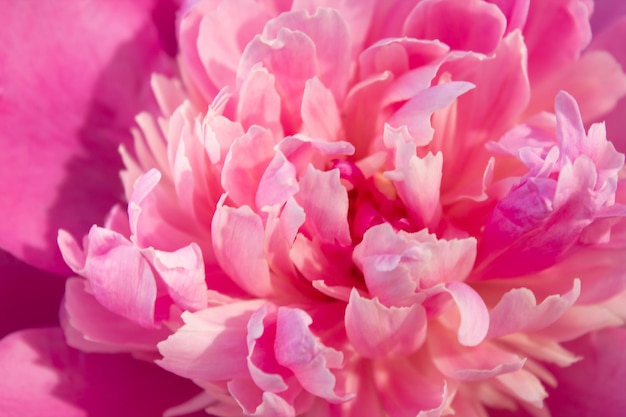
[[90, 327], [593, 386], [35, 294], [42, 376], [69, 96], [121, 279], [465, 25]]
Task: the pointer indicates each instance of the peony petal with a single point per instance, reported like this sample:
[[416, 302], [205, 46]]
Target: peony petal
[[211, 346], [259, 102], [415, 173], [592, 386], [290, 57], [328, 32], [120, 277], [183, 273], [515, 11], [35, 294], [473, 313], [325, 202], [42, 376], [90, 327], [278, 183], [463, 25], [609, 21], [377, 331], [518, 311], [320, 115], [71, 105], [399, 379], [223, 35], [238, 242], [555, 33], [245, 163], [298, 349], [476, 363]]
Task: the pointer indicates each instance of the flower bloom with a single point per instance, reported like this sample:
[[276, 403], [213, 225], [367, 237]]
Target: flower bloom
[[364, 208]]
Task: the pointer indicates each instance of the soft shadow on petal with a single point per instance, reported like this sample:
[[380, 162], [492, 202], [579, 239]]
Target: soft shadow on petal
[[594, 386], [69, 89], [42, 376], [28, 297]]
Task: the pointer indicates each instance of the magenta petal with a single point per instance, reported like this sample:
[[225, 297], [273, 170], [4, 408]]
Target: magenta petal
[[593, 386], [69, 96], [42, 376], [35, 294]]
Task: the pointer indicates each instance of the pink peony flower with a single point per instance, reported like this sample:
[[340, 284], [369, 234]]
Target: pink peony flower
[[405, 208]]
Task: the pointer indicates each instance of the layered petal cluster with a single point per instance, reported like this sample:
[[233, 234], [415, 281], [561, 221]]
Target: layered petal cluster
[[364, 208]]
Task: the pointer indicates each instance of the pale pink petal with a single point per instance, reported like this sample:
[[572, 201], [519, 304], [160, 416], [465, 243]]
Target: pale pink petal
[[155, 218], [470, 363], [62, 172], [518, 311], [483, 111], [525, 386], [320, 115], [474, 316], [414, 173], [303, 151], [261, 361], [183, 273], [238, 241], [278, 183], [311, 362], [290, 57], [377, 331], [379, 256], [270, 404], [211, 346], [464, 25], [42, 376], [356, 14], [325, 202], [90, 327], [362, 109], [223, 35], [259, 102], [327, 30], [416, 113], [245, 163], [120, 277], [399, 379]]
